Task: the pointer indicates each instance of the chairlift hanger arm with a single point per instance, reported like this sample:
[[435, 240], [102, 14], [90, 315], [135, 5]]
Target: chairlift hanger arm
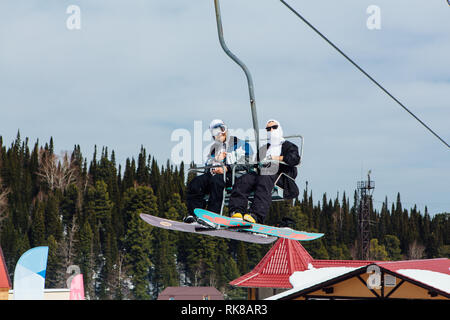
[[246, 71]]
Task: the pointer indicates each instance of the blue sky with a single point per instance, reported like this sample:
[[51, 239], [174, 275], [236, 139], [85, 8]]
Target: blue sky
[[138, 70]]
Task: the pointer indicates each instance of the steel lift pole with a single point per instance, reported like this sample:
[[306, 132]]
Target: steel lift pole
[[247, 74]]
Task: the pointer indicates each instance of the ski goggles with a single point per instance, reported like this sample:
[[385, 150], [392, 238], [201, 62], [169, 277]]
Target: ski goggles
[[218, 130]]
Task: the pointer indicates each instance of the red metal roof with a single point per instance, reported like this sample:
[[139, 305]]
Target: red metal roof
[[341, 263], [5, 281], [287, 256], [281, 261], [441, 265]]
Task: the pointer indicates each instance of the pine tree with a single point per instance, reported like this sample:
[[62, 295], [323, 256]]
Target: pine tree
[[142, 173], [69, 205], [128, 175], [301, 219], [106, 249], [392, 245], [200, 261], [55, 268], [85, 259], [53, 225], [226, 268], [95, 223], [38, 225], [242, 258], [317, 249], [164, 257], [377, 251], [137, 241]]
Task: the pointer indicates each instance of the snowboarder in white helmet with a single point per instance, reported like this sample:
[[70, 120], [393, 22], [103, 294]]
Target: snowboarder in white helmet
[[222, 153]]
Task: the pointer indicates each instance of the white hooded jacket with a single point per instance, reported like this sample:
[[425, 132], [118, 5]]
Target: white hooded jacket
[[275, 139]]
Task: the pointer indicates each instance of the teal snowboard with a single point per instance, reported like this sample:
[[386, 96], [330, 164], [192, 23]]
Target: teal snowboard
[[214, 218]]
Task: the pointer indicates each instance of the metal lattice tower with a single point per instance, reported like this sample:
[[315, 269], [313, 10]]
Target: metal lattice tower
[[365, 190]]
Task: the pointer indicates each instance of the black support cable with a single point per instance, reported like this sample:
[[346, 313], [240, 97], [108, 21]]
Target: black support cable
[[363, 71]]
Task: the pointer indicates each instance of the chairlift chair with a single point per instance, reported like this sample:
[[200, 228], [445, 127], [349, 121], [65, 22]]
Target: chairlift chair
[[242, 168]]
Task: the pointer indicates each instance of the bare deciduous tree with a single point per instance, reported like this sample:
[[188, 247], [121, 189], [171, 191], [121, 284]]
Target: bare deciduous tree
[[3, 201], [416, 251], [57, 172]]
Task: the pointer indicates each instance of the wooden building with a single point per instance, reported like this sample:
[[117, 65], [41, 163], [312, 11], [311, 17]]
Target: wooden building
[[271, 275], [50, 294], [415, 279], [288, 272]]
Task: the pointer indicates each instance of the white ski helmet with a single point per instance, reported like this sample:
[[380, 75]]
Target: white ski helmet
[[217, 127]]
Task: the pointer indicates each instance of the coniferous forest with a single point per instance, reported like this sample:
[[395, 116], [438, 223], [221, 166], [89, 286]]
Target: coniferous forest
[[87, 212]]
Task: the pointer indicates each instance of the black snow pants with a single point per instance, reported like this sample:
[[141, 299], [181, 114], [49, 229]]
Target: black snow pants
[[203, 185], [262, 185]]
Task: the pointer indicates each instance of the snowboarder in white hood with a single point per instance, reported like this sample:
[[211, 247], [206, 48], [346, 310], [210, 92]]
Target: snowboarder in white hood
[[275, 139], [281, 158]]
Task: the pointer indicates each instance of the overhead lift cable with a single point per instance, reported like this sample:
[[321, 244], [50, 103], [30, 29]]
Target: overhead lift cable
[[363, 71]]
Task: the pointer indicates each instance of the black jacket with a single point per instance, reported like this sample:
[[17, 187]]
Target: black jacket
[[291, 157]]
